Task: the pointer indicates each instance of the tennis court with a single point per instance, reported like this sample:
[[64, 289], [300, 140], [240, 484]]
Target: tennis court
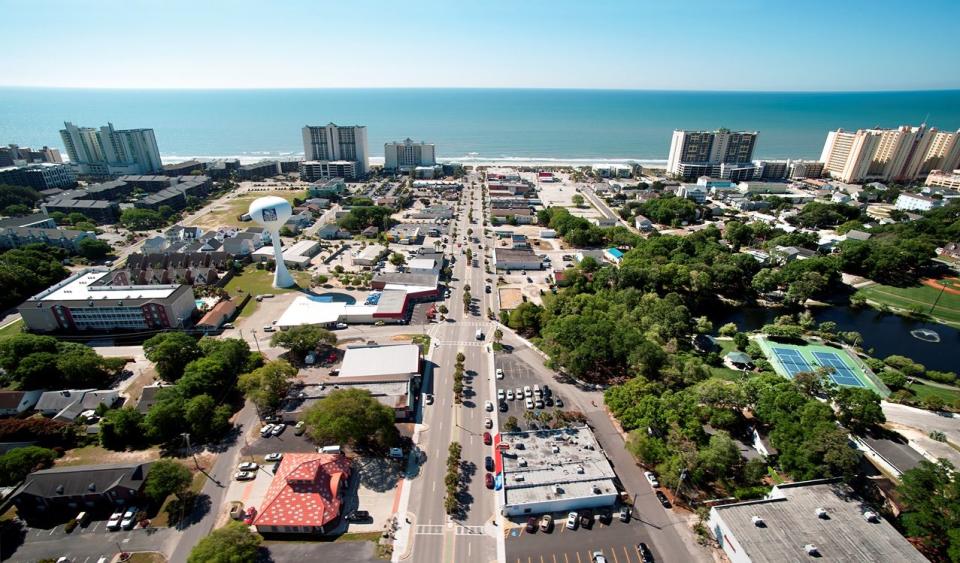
[[791, 359]]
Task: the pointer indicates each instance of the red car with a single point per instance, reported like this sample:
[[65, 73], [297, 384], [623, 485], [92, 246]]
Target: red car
[[487, 439], [488, 480], [251, 514]]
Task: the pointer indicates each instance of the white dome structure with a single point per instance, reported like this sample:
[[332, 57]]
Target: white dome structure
[[271, 212]]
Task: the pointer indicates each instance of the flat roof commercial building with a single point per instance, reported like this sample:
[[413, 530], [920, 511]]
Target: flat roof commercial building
[[553, 471], [80, 303], [397, 362], [516, 259], [798, 522]]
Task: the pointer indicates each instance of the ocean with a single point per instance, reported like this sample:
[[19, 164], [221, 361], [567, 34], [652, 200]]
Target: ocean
[[467, 124]]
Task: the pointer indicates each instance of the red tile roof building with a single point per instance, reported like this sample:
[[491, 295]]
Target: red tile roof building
[[305, 495]]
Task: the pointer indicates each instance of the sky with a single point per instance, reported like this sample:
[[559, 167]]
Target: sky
[[771, 45]]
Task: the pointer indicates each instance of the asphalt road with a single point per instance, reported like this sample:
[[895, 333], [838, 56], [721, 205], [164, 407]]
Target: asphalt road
[[437, 538]]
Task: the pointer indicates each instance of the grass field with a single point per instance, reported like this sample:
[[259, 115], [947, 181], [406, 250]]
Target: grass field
[[228, 209], [723, 372], [949, 396], [919, 298], [774, 352], [256, 282], [11, 329]]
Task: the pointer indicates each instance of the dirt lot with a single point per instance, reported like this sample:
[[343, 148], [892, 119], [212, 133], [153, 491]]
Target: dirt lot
[[510, 298]]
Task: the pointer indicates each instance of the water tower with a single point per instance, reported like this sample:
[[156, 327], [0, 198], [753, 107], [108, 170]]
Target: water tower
[[271, 213]]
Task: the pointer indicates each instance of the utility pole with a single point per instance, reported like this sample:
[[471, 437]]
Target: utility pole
[[186, 437], [256, 341]]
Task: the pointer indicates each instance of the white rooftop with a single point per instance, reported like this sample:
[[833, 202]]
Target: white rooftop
[[373, 361], [306, 311], [78, 287]]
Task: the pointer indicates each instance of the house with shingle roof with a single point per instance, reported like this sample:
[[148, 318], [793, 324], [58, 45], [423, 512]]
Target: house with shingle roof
[[306, 494]]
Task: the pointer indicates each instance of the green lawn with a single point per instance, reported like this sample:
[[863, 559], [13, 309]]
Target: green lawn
[[11, 329], [919, 298], [256, 282], [725, 372], [949, 396]]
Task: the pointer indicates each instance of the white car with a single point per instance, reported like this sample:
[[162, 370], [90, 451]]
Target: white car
[[527, 392], [510, 395], [278, 429], [598, 557], [488, 405], [129, 518], [487, 423], [273, 457], [499, 373], [114, 522], [572, 520], [248, 466], [528, 403], [244, 475], [519, 393], [266, 430], [501, 395], [651, 478]]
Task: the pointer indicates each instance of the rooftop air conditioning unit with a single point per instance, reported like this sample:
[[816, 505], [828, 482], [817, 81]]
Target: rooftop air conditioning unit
[[758, 522], [822, 513], [871, 516], [518, 477], [596, 490], [811, 550], [556, 450], [557, 489]]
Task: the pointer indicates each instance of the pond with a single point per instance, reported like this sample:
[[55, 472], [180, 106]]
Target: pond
[[886, 333]]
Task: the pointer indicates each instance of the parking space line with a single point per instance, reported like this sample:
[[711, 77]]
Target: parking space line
[[626, 553], [554, 555], [613, 553], [565, 558], [578, 557]]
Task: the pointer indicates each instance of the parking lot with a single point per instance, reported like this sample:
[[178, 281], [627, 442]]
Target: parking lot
[[616, 540], [517, 374]]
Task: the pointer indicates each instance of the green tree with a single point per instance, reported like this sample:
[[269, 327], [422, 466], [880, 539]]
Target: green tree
[[351, 416], [268, 385], [397, 259], [19, 462], [233, 543], [171, 352], [303, 338], [141, 219], [741, 341], [728, 329], [122, 428], [931, 493], [167, 477], [92, 248], [577, 200], [720, 457], [858, 408]]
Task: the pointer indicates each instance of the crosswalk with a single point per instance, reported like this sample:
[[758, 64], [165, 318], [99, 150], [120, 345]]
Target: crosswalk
[[475, 343], [439, 530]]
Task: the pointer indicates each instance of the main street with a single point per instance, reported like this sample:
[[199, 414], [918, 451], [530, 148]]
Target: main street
[[432, 536]]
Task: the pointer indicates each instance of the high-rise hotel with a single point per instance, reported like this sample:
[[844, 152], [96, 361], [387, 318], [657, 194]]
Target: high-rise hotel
[[407, 155], [721, 154], [903, 154], [332, 151], [108, 151]]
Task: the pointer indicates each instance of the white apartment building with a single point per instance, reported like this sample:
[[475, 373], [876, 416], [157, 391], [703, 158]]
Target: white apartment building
[[335, 144], [697, 149], [903, 154], [110, 151], [917, 202], [941, 179], [408, 155]]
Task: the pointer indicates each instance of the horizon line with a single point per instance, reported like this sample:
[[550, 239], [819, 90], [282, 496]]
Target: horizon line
[[514, 88]]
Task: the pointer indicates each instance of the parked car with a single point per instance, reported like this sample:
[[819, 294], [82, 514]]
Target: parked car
[[664, 501], [501, 394], [605, 517], [646, 556], [539, 404], [518, 392], [531, 524], [527, 392], [358, 516], [586, 519], [129, 518], [249, 516], [278, 429], [651, 478], [273, 457], [300, 428], [598, 557], [510, 395], [244, 475], [528, 403], [548, 402], [559, 402], [499, 373], [572, 519], [248, 466], [488, 480], [488, 463], [114, 522], [546, 523], [503, 406], [428, 399], [488, 406], [487, 439], [266, 430], [624, 513], [487, 423]]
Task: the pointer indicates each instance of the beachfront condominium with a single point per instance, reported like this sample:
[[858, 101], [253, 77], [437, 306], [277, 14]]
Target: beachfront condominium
[[721, 153], [329, 148], [407, 155], [904, 154], [108, 151]]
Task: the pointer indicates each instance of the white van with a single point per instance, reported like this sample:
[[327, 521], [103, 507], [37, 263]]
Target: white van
[[479, 334], [329, 449]]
